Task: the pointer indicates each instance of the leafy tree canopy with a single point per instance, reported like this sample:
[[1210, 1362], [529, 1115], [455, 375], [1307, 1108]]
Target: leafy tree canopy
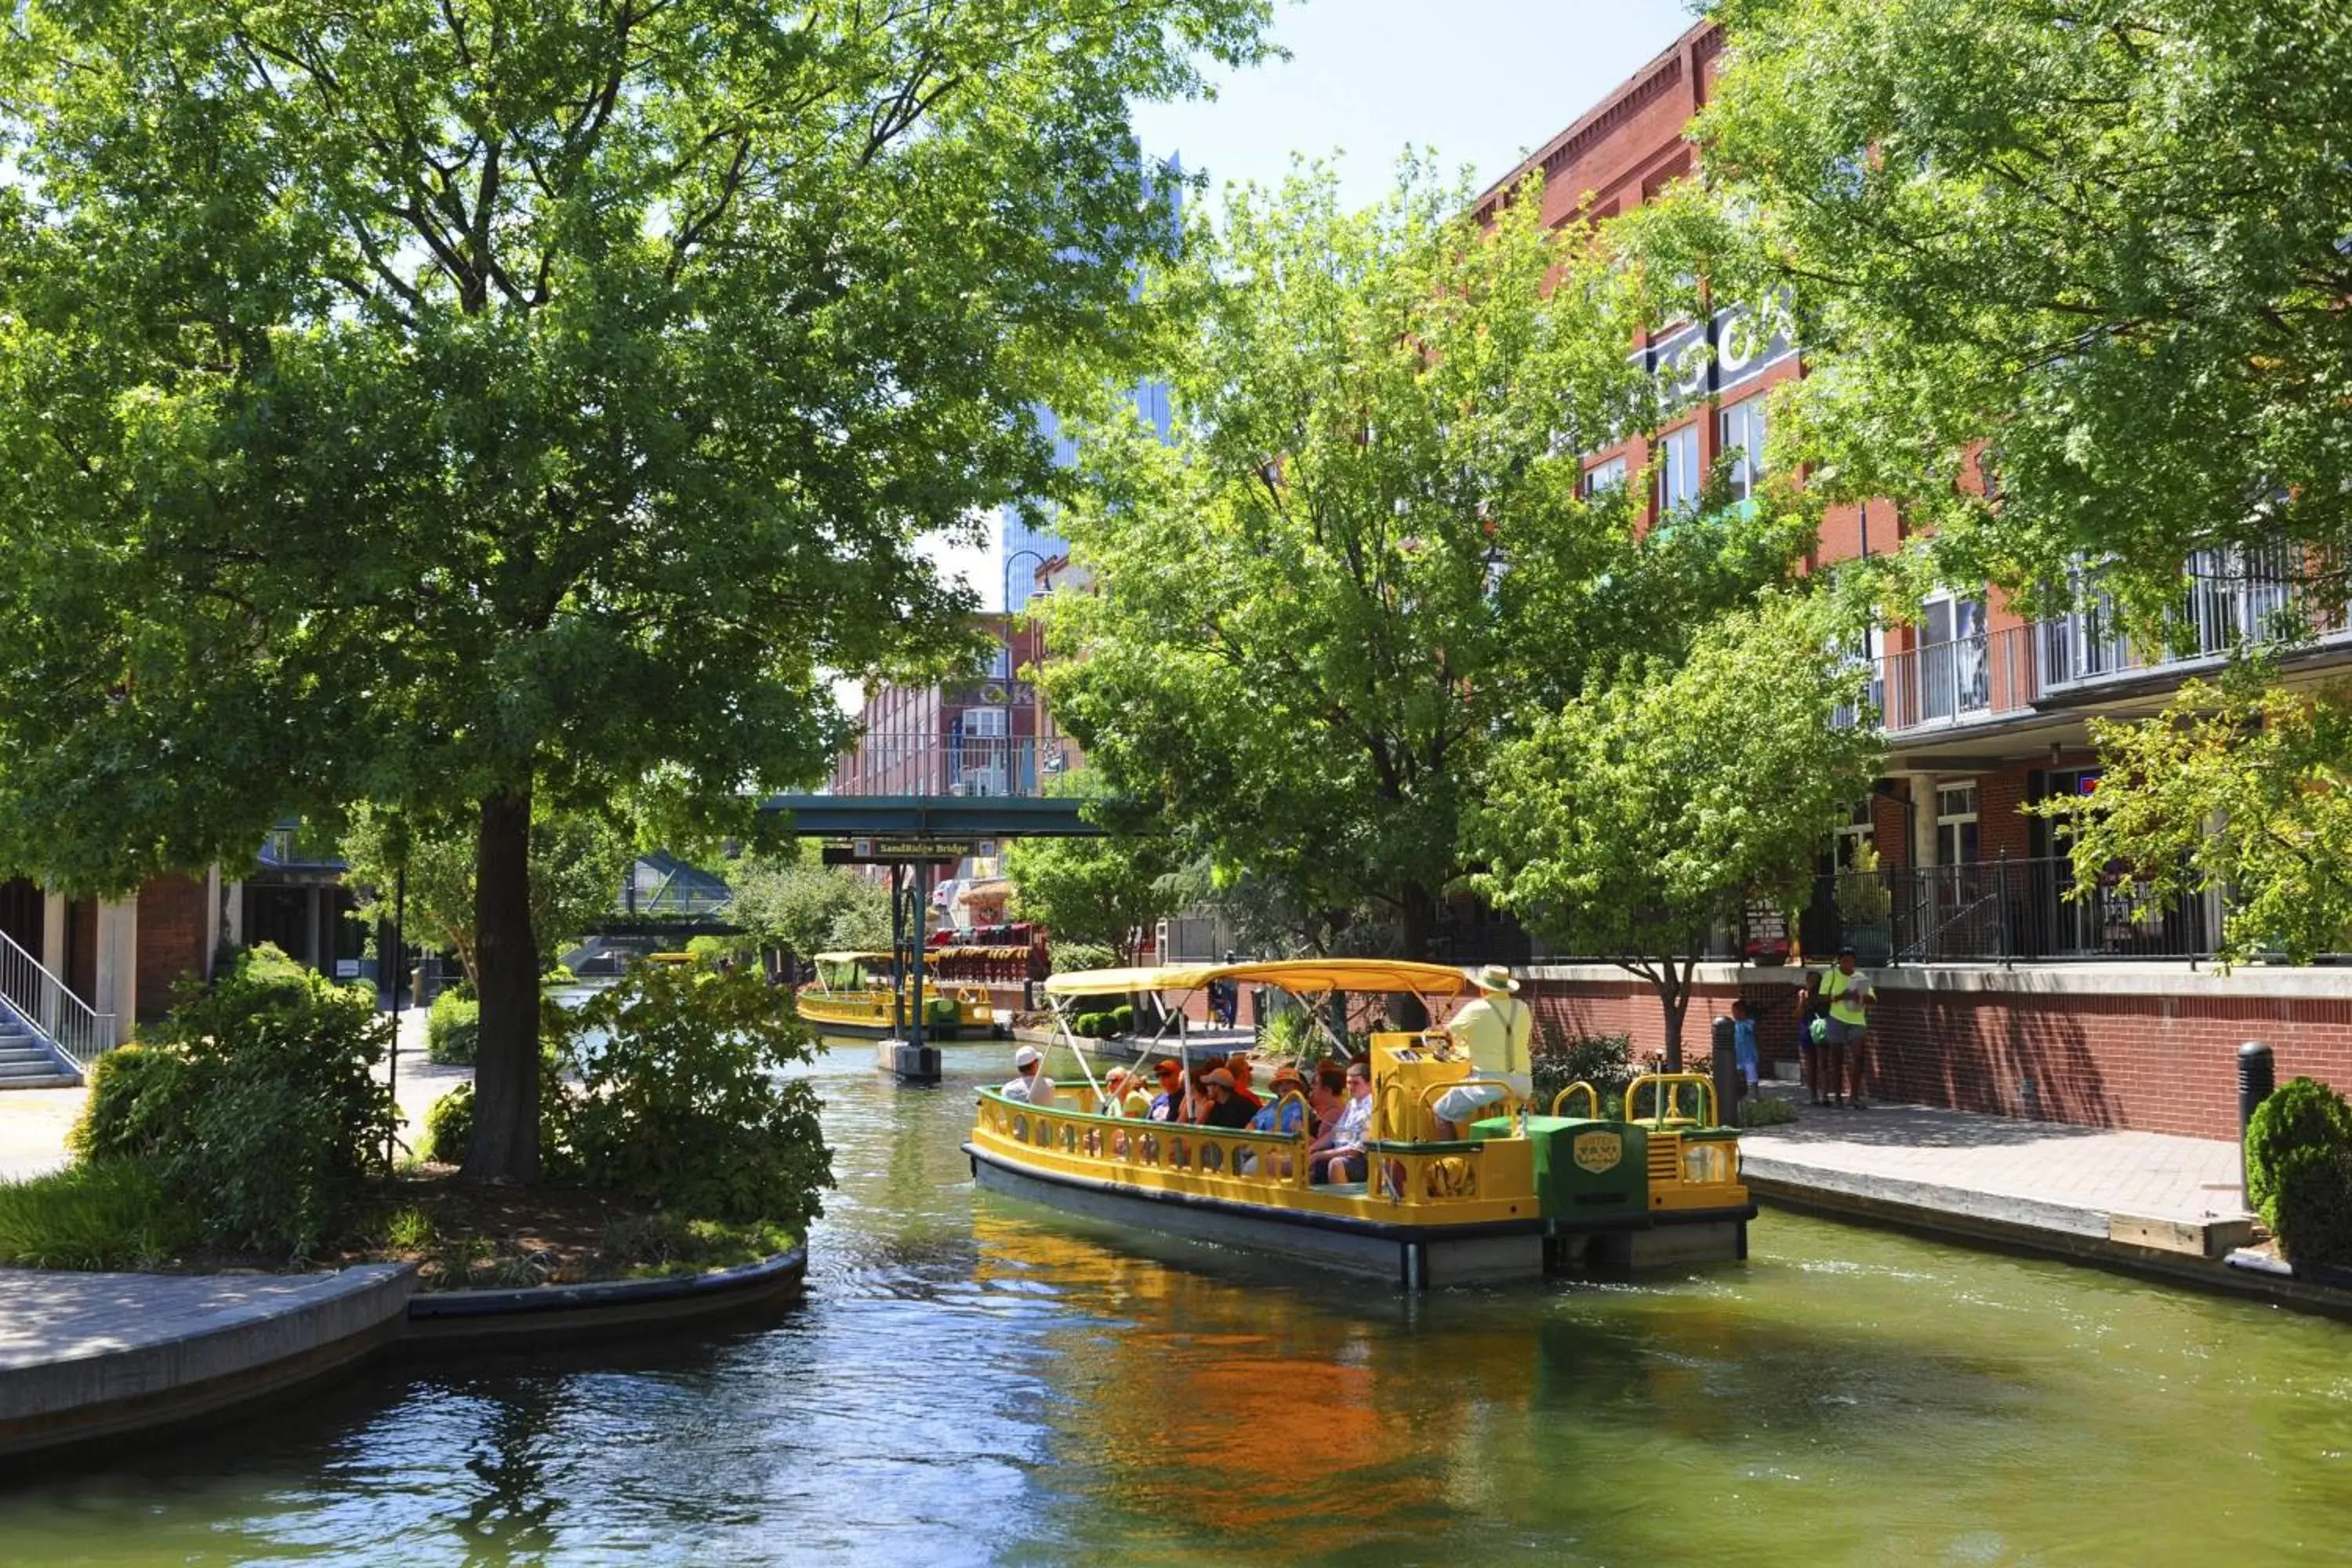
[[2238, 787], [578, 862], [1648, 809], [1097, 890], [1366, 540], [2101, 243], [798, 903], [458, 406]]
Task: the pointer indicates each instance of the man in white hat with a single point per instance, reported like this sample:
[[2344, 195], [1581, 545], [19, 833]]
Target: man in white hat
[[1497, 1029], [1029, 1082]]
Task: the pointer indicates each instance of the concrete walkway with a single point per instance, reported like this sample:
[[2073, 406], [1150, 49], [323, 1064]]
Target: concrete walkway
[[85, 1356], [1995, 1173]]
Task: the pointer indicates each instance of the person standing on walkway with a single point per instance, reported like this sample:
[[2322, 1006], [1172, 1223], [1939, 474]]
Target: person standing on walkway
[[1743, 1044], [1848, 991]]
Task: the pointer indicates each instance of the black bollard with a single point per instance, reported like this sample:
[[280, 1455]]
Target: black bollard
[[2256, 1077], [1725, 1068]]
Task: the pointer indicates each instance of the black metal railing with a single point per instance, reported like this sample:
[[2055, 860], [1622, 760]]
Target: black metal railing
[[2001, 910]]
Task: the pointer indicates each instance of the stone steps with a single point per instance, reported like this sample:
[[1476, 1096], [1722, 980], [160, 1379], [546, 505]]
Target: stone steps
[[27, 1062]]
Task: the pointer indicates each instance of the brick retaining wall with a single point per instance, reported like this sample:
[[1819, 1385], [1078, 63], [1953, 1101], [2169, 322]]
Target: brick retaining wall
[[2157, 1062]]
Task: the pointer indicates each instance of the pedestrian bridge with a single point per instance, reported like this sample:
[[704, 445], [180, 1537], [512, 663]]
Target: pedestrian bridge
[[962, 817]]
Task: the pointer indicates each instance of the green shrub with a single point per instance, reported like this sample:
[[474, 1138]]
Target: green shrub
[[254, 1105], [449, 1122], [1286, 1037], [2300, 1113], [1073, 957], [107, 1214], [1122, 1019], [2313, 1205], [685, 1103], [1756, 1110], [1087, 1026], [452, 1030], [134, 1107], [672, 1244], [449, 1127], [1561, 1058]]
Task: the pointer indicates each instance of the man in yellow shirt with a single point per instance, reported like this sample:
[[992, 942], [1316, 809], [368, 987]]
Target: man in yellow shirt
[[1496, 1028], [1849, 993]]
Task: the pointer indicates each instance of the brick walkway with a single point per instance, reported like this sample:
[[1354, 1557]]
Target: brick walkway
[[2040, 1173]]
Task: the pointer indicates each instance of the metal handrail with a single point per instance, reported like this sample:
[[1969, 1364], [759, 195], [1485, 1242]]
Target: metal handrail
[[49, 1006]]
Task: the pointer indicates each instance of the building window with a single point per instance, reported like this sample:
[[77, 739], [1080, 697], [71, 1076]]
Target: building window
[[1603, 478], [983, 723], [1857, 835], [1677, 469], [1956, 825], [1742, 430]]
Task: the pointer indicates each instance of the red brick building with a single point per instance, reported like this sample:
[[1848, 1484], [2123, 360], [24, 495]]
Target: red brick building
[[2002, 992]]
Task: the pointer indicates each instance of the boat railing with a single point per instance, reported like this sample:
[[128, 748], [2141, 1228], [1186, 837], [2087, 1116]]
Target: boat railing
[[1591, 1100], [1666, 1095], [1262, 1167]]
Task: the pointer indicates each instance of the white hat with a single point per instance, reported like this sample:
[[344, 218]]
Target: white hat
[[1026, 1057], [1495, 977]]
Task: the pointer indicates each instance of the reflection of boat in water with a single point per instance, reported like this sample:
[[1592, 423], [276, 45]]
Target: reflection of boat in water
[[1519, 1192], [861, 994]]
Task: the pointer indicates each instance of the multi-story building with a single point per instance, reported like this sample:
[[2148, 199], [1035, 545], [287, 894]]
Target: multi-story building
[[980, 737], [1993, 1002]]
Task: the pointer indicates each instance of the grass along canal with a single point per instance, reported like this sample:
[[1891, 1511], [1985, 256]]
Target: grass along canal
[[974, 1380]]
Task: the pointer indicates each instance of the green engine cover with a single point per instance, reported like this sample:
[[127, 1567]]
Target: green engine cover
[[1584, 1170]]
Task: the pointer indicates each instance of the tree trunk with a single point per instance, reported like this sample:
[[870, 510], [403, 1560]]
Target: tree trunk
[[1673, 998], [506, 979], [1417, 925]]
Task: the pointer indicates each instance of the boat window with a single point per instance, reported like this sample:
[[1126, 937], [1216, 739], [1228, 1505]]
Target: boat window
[[1146, 1149], [1212, 1157]]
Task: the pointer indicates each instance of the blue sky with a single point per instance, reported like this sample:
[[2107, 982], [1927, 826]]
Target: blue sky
[[1481, 82]]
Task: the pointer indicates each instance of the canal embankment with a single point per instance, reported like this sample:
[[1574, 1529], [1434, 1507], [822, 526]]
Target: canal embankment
[[85, 1356], [2156, 1203]]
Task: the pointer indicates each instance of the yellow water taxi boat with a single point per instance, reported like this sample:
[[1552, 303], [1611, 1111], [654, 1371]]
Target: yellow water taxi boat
[[859, 993], [1529, 1188]]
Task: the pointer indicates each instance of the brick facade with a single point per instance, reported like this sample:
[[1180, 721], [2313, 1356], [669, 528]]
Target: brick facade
[[172, 932]]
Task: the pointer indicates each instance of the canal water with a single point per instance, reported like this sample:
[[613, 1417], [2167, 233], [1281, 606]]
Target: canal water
[[973, 1381]]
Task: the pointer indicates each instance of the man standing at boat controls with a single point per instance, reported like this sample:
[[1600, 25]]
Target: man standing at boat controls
[[1028, 1082], [1496, 1028]]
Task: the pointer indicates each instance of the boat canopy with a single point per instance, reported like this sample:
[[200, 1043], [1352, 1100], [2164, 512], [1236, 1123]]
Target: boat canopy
[[1308, 976], [852, 957]]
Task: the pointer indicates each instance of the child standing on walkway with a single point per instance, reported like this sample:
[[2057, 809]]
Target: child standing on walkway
[[1743, 1042]]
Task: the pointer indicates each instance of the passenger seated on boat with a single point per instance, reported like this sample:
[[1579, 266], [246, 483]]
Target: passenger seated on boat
[[1028, 1081], [1283, 1113], [1123, 1095], [1239, 1065], [1338, 1155], [1327, 1096], [1225, 1108], [1168, 1105]]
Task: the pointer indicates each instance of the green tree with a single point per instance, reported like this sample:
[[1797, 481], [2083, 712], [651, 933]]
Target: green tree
[[2236, 788], [796, 902], [470, 407], [1367, 540], [1647, 810], [1109, 891], [2103, 245], [578, 861]]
